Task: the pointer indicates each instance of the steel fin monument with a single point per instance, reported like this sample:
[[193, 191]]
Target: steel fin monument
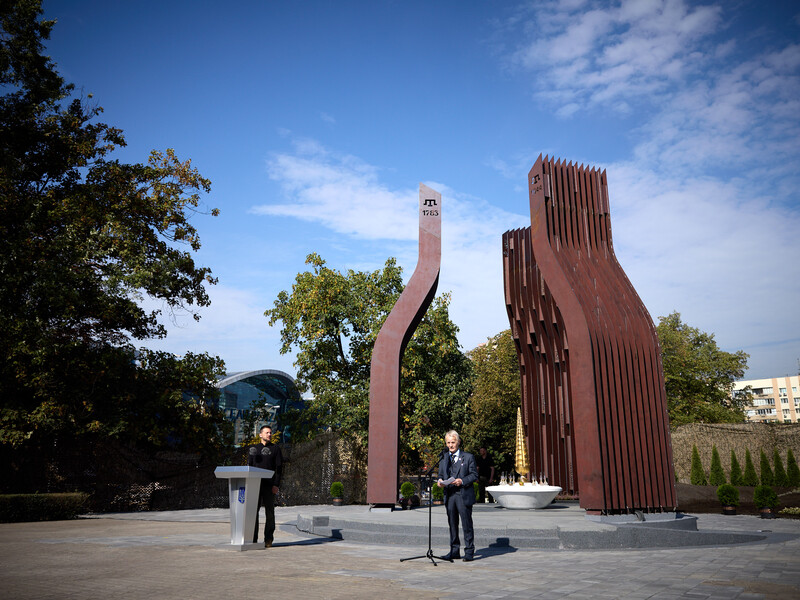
[[593, 401], [387, 354]]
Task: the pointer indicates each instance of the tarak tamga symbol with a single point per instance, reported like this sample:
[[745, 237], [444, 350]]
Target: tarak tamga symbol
[[241, 495]]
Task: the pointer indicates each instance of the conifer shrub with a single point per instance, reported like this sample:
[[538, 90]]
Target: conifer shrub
[[697, 475], [765, 497], [781, 479], [407, 489], [767, 476], [736, 471], [437, 493], [717, 475], [750, 477], [728, 495], [337, 489], [792, 470]]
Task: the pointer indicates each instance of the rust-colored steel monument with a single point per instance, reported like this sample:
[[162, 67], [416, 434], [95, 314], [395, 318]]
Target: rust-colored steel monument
[[387, 354], [593, 399]]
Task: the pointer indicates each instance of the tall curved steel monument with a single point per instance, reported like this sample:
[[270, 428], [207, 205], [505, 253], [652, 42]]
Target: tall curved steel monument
[[593, 399], [384, 381]]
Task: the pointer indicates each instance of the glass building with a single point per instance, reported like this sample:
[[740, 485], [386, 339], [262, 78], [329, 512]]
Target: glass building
[[268, 388]]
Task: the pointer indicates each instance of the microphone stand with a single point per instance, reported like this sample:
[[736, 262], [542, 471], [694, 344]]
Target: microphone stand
[[429, 554]]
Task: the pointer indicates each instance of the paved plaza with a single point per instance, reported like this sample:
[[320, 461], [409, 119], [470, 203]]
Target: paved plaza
[[177, 555]]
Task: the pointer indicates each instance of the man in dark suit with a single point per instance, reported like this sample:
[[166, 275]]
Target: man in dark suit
[[457, 472], [266, 455]]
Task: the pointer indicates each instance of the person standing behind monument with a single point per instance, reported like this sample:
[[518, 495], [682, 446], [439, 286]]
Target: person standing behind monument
[[266, 455], [485, 472], [457, 473]]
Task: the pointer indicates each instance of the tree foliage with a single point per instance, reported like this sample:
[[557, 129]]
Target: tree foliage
[[495, 398], [699, 377], [331, 320], [83, 239]]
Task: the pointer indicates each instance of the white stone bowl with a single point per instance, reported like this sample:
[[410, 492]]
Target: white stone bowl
[[525, 496]]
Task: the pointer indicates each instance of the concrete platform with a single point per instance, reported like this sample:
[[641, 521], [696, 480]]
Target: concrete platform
[[174, 555], [562, 526]]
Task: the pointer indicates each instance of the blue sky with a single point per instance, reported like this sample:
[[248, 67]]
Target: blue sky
[[316, 121]]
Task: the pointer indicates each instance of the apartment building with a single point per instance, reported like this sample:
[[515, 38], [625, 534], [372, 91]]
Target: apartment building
[[775, 400]]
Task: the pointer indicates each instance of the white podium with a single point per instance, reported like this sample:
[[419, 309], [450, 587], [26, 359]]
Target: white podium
[[244, 484]]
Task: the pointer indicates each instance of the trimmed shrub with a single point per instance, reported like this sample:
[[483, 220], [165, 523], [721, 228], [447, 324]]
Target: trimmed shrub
[[407, 489], [717, 475], [765, 497], [781, 480], [767, 477], [20, 508], [698, 476], [736, 471], [337, 489], [750, 478], [792, 470], [437, 492], [728, 495]]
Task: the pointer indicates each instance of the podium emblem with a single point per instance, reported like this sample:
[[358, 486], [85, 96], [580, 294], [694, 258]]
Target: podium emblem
[[241, 495]]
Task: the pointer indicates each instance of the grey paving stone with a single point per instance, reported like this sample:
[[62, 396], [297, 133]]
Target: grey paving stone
[[174, 556]]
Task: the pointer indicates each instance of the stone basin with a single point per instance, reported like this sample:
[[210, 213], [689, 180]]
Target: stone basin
[[527, 496]]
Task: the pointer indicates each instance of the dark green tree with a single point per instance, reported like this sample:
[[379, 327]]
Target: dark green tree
[[495, 398], [717, 475], [767, 476], [697, 475], [781, 479], [750, 476], [698, 376], [736, 471], [792, 470], [331, 319], [83, 237]]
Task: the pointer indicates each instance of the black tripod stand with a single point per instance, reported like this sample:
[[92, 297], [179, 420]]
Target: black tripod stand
[[428, 479]]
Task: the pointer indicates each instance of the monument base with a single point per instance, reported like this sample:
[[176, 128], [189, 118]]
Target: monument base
[[241, 547], [666, 520]]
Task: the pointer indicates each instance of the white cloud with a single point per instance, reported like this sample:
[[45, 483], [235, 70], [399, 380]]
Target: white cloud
[[346, 195], [692, 244], [705, 211], [606, 54], [723, 257], [341, 192], [234, 326]]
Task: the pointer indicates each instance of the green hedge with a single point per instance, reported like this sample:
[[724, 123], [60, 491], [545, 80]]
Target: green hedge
[[19, 508]]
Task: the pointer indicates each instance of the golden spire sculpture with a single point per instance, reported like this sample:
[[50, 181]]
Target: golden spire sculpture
[[521, 463]]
